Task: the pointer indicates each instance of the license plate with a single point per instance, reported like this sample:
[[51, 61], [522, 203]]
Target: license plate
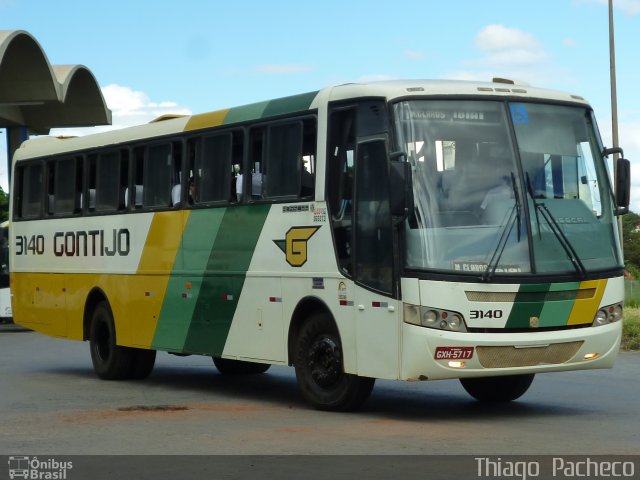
[[454, 353]]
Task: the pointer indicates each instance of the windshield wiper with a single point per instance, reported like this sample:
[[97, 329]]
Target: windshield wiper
[[533, 198], [518, 206], [557, 231], [514, 216], [487, 275]]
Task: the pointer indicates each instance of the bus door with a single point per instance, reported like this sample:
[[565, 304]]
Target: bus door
[[358, 194]]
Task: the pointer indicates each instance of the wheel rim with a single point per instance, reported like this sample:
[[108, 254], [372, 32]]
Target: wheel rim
[[325, 361], [102, 341]]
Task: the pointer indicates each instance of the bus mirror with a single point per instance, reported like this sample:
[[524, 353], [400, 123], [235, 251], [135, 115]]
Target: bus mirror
[[401, 189], [623, 185], [608, 151]]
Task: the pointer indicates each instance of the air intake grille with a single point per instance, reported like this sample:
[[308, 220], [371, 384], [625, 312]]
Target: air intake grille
[[507, 357], [510, 297]]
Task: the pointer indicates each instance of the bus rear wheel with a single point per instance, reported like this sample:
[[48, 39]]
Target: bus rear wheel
[[110, 361], [227, 366], [319, 366], [497, 389]]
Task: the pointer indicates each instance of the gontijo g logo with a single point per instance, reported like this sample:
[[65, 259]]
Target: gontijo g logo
[[33, 468], [294, 244]]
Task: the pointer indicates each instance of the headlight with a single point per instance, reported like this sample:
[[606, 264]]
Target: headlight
[[601, 318], [434, 318], [455, 322], [617, 313], [429, 318], [608, 314]]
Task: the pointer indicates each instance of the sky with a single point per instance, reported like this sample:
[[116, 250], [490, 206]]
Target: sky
[[193, 56]]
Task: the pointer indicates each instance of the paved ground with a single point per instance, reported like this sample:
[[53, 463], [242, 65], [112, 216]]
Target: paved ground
[[52, 403]]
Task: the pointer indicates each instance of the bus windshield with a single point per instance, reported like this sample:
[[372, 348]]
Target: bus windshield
[[506, 189]]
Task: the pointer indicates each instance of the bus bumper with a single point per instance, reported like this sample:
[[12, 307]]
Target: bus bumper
[[429, 354]]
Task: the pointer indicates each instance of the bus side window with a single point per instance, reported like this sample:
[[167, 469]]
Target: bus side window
[[309, 141], [64, 186], [30, 190], [256, 161], [237, 166], [135, 196], [107, 181], [212, 172], [154, 176], [283, 162], [282, 159]]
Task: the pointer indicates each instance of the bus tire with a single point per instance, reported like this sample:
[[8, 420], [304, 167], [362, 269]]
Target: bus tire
[[227, 366], [497, 389], [142, 363], [319, 367], [110, 361]]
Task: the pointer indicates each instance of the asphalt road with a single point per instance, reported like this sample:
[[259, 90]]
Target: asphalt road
[[52, 403]]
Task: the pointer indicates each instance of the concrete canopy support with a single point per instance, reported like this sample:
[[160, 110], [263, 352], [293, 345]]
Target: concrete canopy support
[[36, 96]]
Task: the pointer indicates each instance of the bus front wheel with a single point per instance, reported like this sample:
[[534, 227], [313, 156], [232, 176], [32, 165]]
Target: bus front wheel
[[110, 361], [318, 361], [497, 389]]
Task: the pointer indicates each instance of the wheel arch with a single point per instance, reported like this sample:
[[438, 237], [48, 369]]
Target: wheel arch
[[96, 296], [306, 306]]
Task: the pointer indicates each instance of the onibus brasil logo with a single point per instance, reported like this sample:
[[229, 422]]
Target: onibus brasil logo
[[36, 469]]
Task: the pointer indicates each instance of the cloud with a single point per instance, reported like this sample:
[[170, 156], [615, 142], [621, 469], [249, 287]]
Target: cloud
[[506, 52], [375, 77], [283, 69], [504, 46], [629, 139], [569, 42], [413, 55], [628, 7], [499, 38], [629, 134], [129, 107]]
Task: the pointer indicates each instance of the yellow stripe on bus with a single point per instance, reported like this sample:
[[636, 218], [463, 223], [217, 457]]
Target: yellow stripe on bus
[[584, 309], [206, 120], [150, 282]]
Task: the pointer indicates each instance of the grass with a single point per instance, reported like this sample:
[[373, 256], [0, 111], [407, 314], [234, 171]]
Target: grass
[[631, 329]]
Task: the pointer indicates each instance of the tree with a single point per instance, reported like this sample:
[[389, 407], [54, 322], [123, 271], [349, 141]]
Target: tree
[[4, 205], [631, 236]]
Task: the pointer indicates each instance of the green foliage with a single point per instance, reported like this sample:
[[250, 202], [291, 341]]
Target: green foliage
[[4, 205], [631, 292], [631, 237], [631, 329]]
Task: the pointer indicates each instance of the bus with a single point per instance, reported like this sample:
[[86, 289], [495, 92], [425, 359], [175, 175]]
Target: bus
[[6, 314], [408, 230]]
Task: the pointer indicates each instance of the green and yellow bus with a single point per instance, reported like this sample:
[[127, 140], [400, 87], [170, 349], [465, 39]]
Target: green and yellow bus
[[411, 230]]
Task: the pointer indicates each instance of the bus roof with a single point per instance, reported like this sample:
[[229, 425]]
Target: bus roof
[[297, 103]]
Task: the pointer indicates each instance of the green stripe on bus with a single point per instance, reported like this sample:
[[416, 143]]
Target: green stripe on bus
[[279, 106], [556, 313], [245, 113], [551, 310], [296, 103], [225, 274], [524, 310], [190, 265]]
